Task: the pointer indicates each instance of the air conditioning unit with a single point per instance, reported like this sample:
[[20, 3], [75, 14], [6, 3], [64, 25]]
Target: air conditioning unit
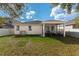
[[23, 32]]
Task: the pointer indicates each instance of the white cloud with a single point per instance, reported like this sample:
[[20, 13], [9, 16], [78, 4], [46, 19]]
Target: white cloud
[[65, 11], [27, 13], [66, 17], [21, 17], [61, 16], [29, 17], [58, 13], [56, 10], [30, 14], [73, 10], [35, 19]]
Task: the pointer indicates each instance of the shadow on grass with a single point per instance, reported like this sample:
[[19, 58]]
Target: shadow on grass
[[26, 36], [66, 40]]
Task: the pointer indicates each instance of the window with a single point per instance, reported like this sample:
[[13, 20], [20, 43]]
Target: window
[[17, 28], [30, 28]]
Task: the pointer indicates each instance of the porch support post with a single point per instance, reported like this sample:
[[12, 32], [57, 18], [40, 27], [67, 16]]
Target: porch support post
[[64, 33], [59, 29], [56, 29], [43, 30]]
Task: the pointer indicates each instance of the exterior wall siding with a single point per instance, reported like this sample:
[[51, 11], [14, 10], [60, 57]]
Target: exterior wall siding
[[36, 29], [67, 28]]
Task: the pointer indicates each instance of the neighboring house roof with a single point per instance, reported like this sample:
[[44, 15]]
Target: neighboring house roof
[[36, 22], [42, 22], [29, 22], [71, 22]]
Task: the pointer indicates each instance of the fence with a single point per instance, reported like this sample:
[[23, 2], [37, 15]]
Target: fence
[[73, 33], [4, 31]]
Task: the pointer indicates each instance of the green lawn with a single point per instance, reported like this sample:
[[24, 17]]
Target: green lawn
[[36, 45]]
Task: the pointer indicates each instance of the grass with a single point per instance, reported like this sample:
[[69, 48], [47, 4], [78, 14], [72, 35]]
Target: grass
[[39, 46]]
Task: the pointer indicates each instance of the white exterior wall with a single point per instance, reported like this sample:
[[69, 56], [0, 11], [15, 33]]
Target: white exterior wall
[[67, 28], [36, 29], [15, 31], [60, 28]]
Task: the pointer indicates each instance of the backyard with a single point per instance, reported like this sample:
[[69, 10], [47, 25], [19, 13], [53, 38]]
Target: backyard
[[39, 46]]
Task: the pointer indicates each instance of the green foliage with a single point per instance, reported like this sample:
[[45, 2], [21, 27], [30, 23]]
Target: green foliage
[[77, 21], [55, 4], [67, 6], [2, 21], [77, 7], [63, 5], [12, 9]]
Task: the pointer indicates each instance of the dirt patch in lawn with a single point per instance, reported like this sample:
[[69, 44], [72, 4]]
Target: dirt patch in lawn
[[38, 46]]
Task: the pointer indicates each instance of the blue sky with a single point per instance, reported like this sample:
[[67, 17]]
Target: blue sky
[[42, 11], [4, 14]]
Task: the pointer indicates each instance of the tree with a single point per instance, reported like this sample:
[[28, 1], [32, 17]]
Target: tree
[[67, 6], [12, 9], [55, 4], [77, 22], [2, 21]]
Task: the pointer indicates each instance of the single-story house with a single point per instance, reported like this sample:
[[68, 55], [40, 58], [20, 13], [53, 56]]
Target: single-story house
[[70, 24], [38, 27]]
